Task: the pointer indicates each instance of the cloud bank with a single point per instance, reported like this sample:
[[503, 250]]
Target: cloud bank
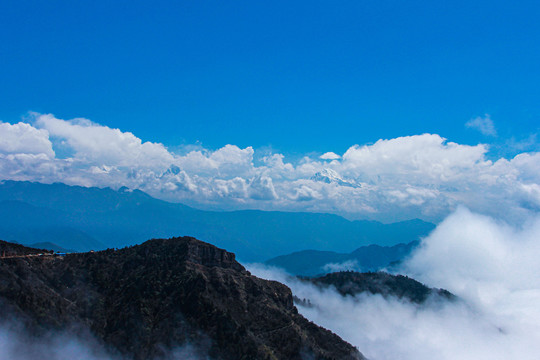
[[492, 266], [422, 176]]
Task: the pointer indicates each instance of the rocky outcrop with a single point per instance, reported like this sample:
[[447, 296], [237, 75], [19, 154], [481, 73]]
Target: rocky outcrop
[[143, 300]]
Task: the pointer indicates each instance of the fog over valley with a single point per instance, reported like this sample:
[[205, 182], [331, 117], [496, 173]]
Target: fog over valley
[[491, 266]]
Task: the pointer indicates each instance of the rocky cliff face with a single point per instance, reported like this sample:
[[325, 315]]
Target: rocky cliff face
[[142, 300]]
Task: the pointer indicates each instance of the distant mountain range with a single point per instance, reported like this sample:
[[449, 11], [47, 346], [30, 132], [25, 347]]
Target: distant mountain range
[[143, 301], [51, 247], [85, 218], [365, 258]]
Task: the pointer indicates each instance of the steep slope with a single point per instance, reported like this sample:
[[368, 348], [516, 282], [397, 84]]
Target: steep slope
[[123, 217], [399, 286], [365, 258], [143, 300]]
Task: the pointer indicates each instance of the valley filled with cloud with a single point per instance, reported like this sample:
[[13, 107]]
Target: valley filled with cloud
[[492, 268]]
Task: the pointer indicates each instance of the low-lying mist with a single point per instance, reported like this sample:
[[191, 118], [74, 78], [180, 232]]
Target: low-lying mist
[[16, 343], [491, 266]]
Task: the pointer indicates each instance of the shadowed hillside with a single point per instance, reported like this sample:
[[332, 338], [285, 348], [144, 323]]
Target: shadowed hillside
[[144, 300], [403, 287]]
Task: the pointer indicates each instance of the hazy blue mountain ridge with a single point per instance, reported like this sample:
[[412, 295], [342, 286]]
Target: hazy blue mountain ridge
[[28, 224], [363, 259], [83, 218]]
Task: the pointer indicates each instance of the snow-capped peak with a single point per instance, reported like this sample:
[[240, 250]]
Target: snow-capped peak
[[330, 176]]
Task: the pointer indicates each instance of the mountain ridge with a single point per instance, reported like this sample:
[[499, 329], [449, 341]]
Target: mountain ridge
[[352, 283], [143, 300], [366, 258], [100, 218]]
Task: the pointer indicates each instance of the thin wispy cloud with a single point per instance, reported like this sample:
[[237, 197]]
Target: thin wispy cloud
[[524, 144], [483, 124]]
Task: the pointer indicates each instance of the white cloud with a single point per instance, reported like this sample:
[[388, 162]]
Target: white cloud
[[422, 176], [277, 168], [262, 188], [36, 167], [306, 193], [233, 188], [482, 259], [17, 343], [329, 156], [483, 124], [490, 265], [24, 138], [349, 265], [100, 144], [427, 158]]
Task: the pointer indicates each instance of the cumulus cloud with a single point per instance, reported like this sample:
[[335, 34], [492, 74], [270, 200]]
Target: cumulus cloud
[[329, 156], [483, 124], [262, 188], [228, 161], [490, 265], [422, 176], [22, 138], [427, 157], [95, 143]]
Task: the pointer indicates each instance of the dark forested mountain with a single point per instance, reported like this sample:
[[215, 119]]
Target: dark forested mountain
[[144, 300], [403, 287], [81, 218], [365, 258], [8, 249]]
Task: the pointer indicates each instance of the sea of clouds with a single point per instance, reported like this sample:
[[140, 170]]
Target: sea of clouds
[[422, 176], [490, 265]]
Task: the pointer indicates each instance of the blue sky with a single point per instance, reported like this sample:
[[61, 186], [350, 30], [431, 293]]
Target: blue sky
[[293, 76], [297, 106]]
